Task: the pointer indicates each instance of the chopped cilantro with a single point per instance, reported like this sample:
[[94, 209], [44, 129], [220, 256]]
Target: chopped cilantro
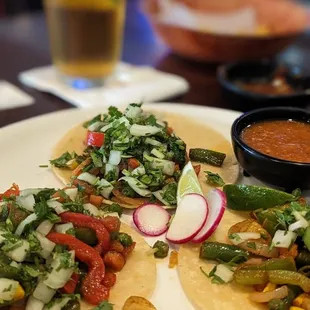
[[214, 278], [114, 207], [170, 193], [66, 261], [7, 289], [234, 237], [214, 179], [74, 207], [151, 120], [34, 243], [97, 159], [104, 306], [44, 194], [61, 162], [114, 112], [32, 271], [96, 119]]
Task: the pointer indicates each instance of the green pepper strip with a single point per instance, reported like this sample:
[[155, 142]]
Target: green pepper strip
[[274, 264], [289, 277], [250, 277]]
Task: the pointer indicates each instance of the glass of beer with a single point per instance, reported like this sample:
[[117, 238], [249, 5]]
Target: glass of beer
[[86, 39]]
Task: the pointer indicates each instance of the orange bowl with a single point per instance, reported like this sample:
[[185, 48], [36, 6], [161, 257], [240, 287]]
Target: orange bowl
[[284, 20]]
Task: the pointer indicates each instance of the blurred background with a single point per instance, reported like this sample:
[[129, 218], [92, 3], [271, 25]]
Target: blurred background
[[196, 40]]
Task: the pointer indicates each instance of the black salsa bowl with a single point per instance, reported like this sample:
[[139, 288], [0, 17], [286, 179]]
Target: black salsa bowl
[[229, 75], [272, 171]]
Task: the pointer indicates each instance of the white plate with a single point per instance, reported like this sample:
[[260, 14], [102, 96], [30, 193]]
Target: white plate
[[27, 144]]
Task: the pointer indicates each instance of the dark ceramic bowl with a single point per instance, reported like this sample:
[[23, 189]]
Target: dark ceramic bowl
[[229, 75], [276, 172]]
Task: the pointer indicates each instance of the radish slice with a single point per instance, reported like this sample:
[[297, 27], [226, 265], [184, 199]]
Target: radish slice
[[217, 204], [151, 219], [190, 216]]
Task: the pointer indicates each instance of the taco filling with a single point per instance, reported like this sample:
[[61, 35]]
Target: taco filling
[[59, 251], [130, 158], [256, 262]]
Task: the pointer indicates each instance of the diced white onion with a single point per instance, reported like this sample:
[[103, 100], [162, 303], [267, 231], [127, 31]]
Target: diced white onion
[[30, 191], [160, 123], [8, 289], [115, 157], [57, 206], [72, 193], [142, 131], [158, 154], [159, 195], [63, 228], [133, 112], [105, 188], [109, 167], [45, 227], [87, 177], [283, 239], [244, 236], [95, 126], [166, 166], [91, 209], [116, 123], [34, 304], [302, 223], [114, 214], [43, 292], [152, 142], [26, 202], [59, 276], [14, 264], [137, 186], [19, 254], [223, 272], [46, 245], [138, 171], [29, 219]]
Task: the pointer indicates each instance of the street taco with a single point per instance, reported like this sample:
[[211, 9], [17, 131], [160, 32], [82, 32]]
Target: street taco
[[257, 260], [60, 252], [136, 157]]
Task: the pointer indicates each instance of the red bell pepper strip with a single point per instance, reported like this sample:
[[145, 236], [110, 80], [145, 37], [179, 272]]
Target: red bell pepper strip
[[70, 286], [92, 288], [12, 191], [82, 220], [95, 138]]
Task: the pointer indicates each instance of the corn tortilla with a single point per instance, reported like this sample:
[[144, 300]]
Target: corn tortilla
[[195, 135], [138, 277]]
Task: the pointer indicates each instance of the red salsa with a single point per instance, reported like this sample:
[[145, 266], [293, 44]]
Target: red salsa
[[282, 139]]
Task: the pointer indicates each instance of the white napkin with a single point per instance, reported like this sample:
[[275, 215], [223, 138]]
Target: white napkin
[[131, 84], [13, 97]]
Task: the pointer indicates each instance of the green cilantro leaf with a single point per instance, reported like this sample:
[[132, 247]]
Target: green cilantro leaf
[[214, 179]]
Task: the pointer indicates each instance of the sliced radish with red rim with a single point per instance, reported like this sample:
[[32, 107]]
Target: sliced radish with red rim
[[151, 219], [217, 204], [190, 217]]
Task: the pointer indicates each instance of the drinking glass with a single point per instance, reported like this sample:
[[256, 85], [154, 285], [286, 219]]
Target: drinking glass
[[85, 38]]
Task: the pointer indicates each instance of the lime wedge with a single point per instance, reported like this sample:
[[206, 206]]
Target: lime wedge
[[188, 183]]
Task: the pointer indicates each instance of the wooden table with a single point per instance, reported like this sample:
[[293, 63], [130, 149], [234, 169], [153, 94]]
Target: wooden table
[[24, 45]]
